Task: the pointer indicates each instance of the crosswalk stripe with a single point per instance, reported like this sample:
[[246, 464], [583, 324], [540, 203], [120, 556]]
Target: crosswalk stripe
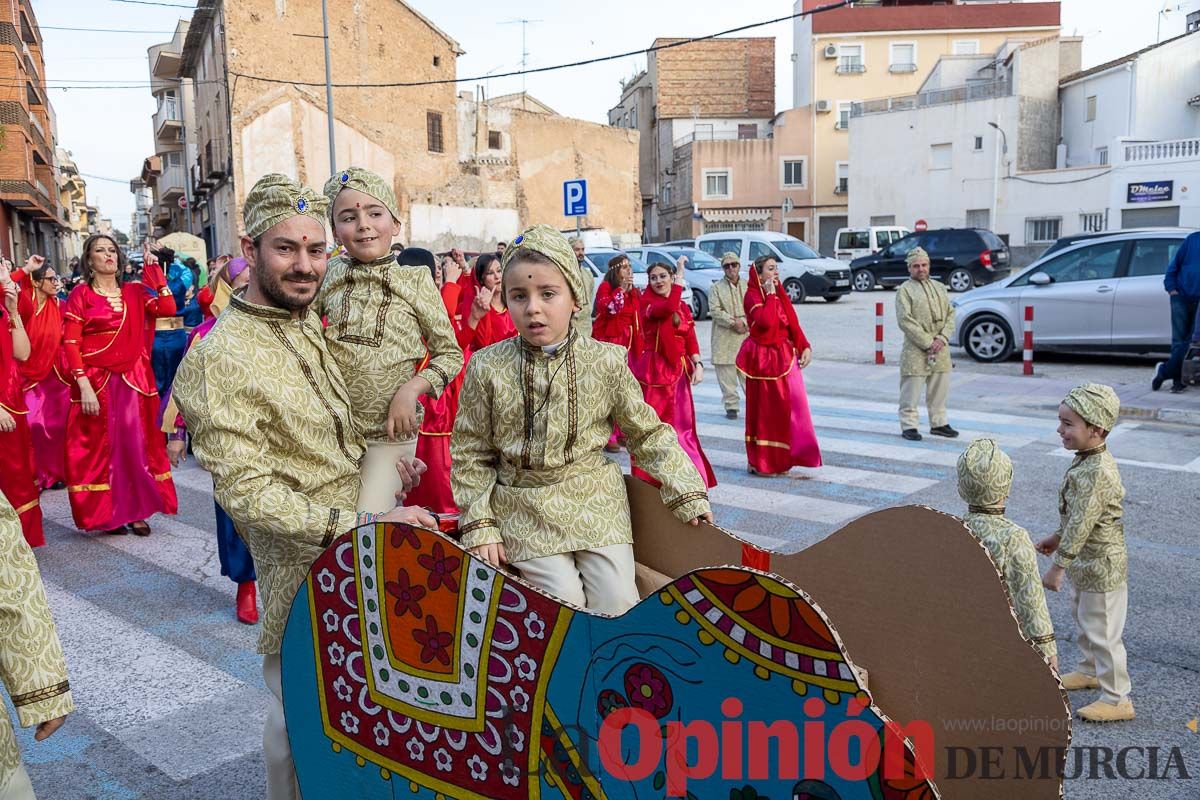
[[910, 453], [898, 485], [795, 506]]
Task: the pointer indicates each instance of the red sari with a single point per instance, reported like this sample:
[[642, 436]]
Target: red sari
[[433, 445], [617, 312], [496, 326], [47, 395], [117, 467], [664, 370], [17, 479], [779, 429]]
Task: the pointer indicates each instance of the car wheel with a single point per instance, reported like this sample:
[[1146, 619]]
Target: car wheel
[[833, 298], [795, 290], [987, 339], [960, 280], [699, 304], [864, 280]]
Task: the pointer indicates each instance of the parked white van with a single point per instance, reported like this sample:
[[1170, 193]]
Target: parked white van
[[805, 272], [851, 243]]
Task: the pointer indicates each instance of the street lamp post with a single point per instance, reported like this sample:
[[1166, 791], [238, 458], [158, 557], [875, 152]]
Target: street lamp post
[[996, 173], [328, 87]]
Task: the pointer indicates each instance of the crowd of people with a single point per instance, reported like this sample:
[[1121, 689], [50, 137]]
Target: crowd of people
[[388, 383]]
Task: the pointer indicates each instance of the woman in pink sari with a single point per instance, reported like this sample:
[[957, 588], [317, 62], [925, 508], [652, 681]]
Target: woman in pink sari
[[47, 395], [779, 429], [117, 468]]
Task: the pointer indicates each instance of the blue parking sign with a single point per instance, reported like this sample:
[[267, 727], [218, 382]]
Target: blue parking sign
[[575, 198]]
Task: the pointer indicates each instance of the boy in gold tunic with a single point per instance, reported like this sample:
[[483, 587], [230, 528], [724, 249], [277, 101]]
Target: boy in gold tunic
[[383, 319], [528, 471], [31, 659], [1089, 547]]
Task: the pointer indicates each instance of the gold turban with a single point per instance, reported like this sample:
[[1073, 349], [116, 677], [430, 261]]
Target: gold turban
[[553, 245], [915, 254], [985, 474], [364, 181], [1096, 403], [275, 198]]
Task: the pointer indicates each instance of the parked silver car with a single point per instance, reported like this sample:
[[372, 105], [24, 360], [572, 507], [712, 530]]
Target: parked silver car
[[701, 272], [1103, 294]]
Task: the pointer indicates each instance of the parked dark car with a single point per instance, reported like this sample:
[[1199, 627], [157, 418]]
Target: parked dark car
[[962, 258]]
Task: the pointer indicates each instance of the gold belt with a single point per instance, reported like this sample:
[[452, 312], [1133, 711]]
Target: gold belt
[[168, 323]]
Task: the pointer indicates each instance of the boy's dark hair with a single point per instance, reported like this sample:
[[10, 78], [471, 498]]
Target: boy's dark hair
[[418, 257], [397, 247]]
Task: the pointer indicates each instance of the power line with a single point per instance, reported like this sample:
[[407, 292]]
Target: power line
[[102, 178], [96, 30], [600, 59], [149, 3]]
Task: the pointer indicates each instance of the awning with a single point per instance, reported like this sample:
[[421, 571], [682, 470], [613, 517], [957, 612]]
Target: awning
[[736, 214]]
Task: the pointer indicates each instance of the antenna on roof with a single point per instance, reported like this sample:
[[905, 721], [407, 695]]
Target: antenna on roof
[[524, 23]]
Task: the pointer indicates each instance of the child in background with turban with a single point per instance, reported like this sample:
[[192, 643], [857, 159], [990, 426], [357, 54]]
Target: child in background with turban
[[383, 320], [985, 474], [1089, 547], [529, 472]]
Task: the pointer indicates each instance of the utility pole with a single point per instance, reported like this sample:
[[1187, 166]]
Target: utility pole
[[328, 87]]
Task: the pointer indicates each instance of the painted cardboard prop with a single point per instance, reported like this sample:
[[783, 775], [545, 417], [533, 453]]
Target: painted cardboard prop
[[413, 670]]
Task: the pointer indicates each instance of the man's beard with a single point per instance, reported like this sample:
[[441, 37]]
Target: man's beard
[[276, 290]]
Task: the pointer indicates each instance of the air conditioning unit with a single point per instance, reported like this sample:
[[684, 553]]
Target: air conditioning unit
[[831, 51], [824, 106]]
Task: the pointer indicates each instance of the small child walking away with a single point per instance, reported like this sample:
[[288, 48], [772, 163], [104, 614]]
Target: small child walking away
[[528, 467], [985, 475], [1089, 547]]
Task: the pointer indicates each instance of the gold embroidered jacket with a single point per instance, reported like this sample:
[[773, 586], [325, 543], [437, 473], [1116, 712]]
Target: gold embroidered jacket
[[31, 659], [924, 312], [270, 418], [1012, 550], [726, 304], [527, 457], [1092, 546], [382, 320]]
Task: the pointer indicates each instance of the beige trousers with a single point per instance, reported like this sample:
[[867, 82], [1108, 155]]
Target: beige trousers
[[728, 378], [378, 478], [599, 580], [1100, 617], [277, 750], [18, 786], [937, 388]]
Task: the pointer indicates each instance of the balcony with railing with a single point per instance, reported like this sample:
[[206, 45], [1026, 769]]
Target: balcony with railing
[[1167, 150], [168, 123], [850, 68], [986, 90], [172, 183]]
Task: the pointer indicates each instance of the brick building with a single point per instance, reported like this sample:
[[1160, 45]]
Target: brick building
[[31, 214]]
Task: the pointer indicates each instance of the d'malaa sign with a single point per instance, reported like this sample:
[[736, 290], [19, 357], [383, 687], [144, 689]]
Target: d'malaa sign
[[1150, 191]]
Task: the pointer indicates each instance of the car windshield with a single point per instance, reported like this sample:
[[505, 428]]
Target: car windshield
[[793, 248], [697, 259]]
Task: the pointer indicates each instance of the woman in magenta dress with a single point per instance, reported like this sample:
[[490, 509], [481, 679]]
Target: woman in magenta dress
[[669, 363], [117, 468], [779, 429], [483, 317], [17, 481], [617, 307], [47, 395]]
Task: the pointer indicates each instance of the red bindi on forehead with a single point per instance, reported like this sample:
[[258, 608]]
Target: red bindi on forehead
[[305, 238]]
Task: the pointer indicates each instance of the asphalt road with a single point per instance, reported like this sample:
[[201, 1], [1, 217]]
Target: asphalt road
[[170, 696]]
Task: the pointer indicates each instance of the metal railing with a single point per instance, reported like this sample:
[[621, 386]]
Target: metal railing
[[937, 97], [899, 68], [708, 136], [172, 180], [1170, 150], [851, 68], [168, 112]]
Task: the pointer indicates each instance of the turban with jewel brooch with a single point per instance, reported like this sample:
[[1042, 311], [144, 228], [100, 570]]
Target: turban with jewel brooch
[[553, 245], [364, 181], [276, 198]]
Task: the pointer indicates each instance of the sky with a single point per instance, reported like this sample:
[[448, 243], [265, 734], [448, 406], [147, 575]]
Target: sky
[[108, 130]]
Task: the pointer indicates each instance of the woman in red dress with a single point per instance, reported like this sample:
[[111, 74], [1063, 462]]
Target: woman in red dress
[[47, 395], [779, 429], [483, 317], [617, 309], [670, 362], [17, 480], [117, 468]]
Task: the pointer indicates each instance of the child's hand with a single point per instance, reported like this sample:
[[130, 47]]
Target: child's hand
[[491, 553], [46, 729], [177, 452], [402, 416], [1048, 545], [1053, 578], [708, 517], [410, 471], [411, 515]]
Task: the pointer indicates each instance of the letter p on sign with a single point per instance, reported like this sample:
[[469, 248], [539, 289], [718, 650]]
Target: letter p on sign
[[575, 198]]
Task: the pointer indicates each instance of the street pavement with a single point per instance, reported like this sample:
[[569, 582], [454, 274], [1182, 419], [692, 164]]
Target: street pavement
[[169, 692]]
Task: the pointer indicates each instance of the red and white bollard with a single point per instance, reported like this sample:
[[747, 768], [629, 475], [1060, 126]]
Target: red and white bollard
[[1028, 370], [879, 333]]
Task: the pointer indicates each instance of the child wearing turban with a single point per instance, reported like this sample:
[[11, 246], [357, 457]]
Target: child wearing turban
[[1089, 547], [985, 474], [529, 472]]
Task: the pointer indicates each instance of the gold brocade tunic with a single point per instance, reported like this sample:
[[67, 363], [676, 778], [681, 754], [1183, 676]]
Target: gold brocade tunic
[[270, 418], [1012, 550], [383, 319], [528, 467], [924, 312], [1092, 546], [31, 659], [727, 305]]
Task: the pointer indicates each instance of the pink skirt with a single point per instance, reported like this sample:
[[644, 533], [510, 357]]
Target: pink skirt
[[48, 402]]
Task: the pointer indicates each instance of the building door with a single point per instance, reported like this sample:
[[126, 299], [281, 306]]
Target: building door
[[828, 232], [1164, 217], [796, 229]]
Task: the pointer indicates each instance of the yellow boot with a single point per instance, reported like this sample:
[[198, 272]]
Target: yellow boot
[[1073, 681], [1103, 711]]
